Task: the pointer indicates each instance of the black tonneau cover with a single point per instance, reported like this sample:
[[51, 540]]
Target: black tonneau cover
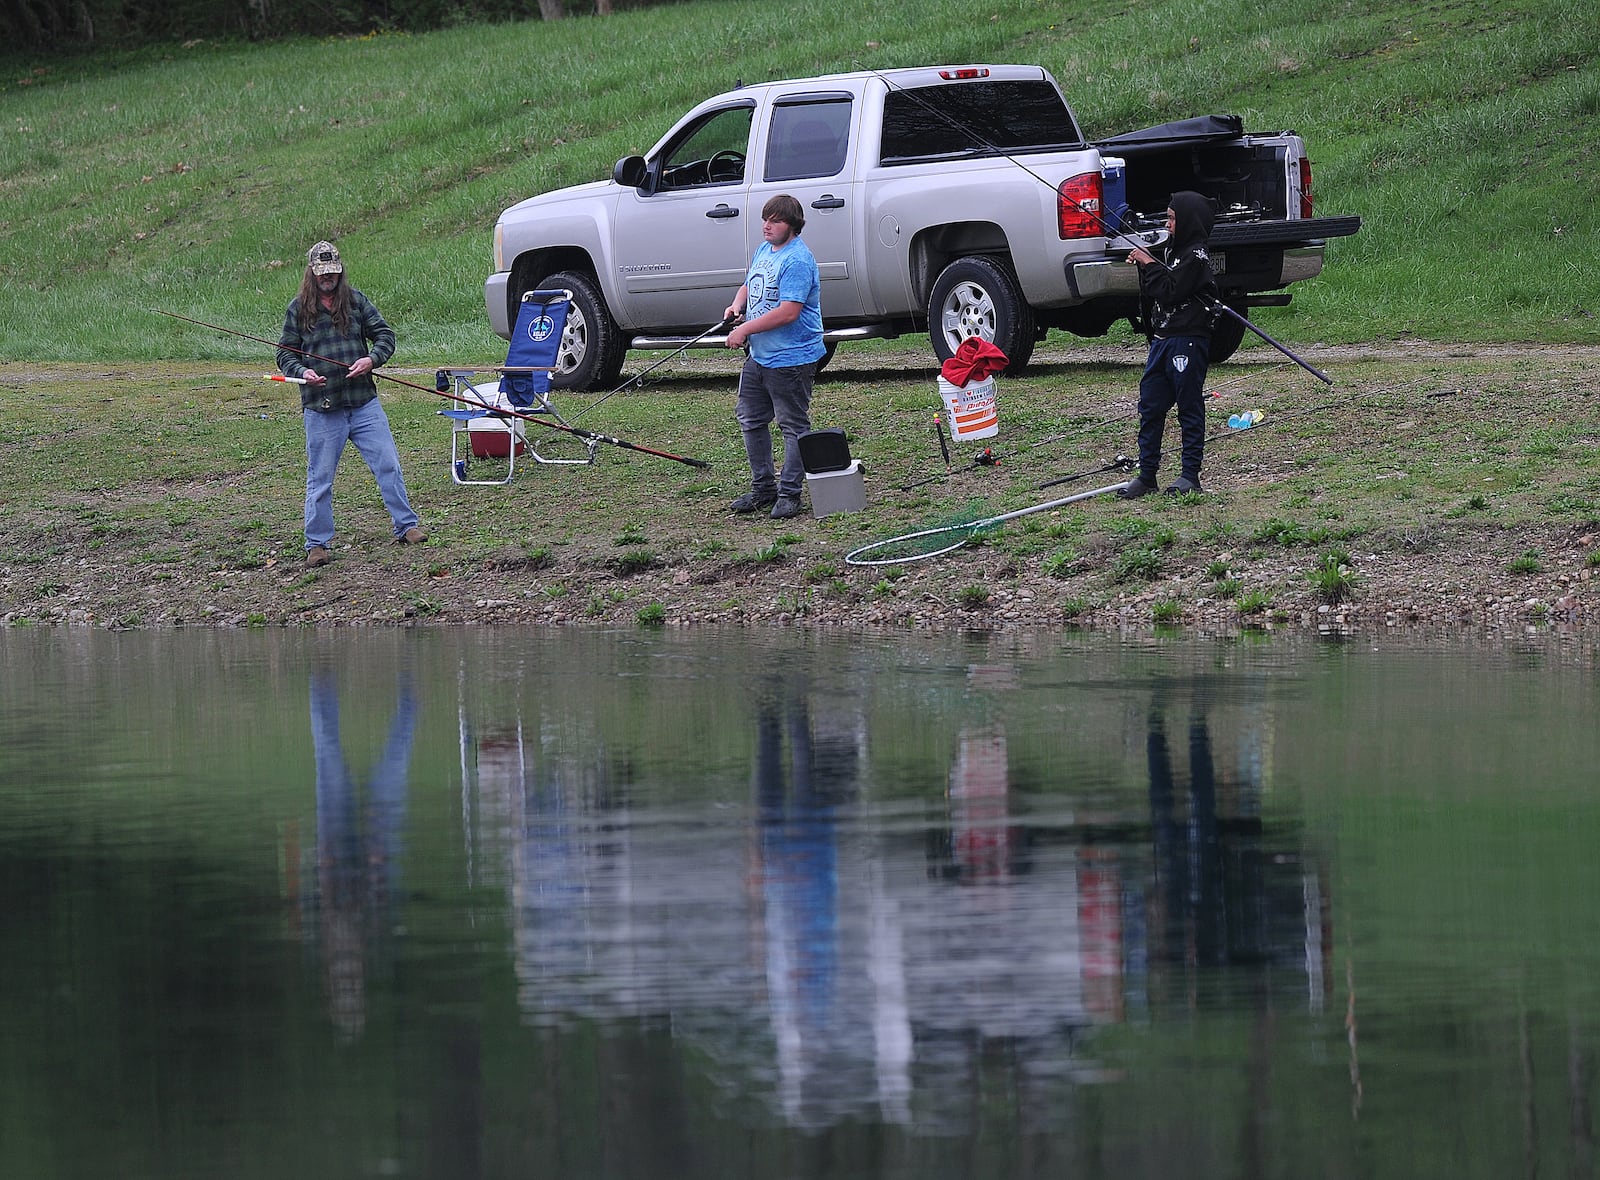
[[1200, 129]]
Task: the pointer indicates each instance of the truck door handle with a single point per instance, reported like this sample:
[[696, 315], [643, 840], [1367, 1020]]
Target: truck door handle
[[828, 201], [722, 211]]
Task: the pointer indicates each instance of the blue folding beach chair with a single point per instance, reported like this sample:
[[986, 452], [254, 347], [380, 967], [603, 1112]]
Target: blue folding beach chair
[[489, 421]]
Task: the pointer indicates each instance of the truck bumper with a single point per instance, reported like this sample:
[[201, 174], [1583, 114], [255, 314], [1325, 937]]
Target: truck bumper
[[1302, 262], [1097, 277], [494, 301]]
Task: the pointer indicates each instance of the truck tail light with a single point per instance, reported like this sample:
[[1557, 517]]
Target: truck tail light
[[1305, 186], [964, 74], [1079, 207]]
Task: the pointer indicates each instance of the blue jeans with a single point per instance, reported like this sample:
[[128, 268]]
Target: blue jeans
[[1174, 375], [768, 395], [367, 427]]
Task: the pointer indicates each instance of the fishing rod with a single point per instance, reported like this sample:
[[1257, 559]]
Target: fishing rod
[[540, 419], [1112, 232], [1120, 463], [641, 375], [1120, 419], [1123, 463], [944, 447], [987, 459]]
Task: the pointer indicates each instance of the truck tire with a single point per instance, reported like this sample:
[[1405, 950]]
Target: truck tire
[[1227, 334], [978, 296], [592, 346]]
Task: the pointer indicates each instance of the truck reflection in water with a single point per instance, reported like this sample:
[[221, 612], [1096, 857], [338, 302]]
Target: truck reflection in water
[[836, 955]]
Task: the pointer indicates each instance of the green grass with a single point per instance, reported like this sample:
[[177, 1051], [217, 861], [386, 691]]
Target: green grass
[[192, 179], [1332, 577]]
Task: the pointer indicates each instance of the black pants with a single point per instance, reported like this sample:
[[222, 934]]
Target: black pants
[[1174, 375]]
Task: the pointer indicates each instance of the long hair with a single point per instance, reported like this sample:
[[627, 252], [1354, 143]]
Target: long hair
[[310, 294]]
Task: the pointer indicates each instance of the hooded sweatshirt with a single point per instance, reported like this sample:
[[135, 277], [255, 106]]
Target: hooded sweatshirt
[[1182, 291]]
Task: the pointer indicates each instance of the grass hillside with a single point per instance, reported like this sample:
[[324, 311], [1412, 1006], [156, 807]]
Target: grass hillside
[[192, 179]]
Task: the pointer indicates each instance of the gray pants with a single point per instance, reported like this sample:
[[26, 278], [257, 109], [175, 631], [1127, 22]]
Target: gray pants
[[768, 395]]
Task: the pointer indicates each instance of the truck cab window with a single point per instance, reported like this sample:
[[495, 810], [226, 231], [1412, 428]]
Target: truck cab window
[[975, 119], [712, 152], [808, 140]]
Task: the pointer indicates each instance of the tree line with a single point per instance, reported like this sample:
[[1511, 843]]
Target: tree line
[[62, 26]]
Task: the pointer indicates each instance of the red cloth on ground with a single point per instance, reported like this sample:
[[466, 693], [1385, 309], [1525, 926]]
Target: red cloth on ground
[[975, 358]]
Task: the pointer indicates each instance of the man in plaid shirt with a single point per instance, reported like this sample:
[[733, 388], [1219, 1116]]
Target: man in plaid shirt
[[330, 321]]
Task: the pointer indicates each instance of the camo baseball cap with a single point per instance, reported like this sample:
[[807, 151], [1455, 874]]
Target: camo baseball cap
[[324, 259]]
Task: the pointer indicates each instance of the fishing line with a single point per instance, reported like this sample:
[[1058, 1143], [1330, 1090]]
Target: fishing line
[[1111, 231], [538, 419], [642, 374]]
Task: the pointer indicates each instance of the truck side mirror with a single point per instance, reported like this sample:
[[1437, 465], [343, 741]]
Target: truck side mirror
[[630, 171]]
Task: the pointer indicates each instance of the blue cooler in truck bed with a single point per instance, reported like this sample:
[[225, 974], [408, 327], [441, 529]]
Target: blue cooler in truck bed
[[1114, 190]]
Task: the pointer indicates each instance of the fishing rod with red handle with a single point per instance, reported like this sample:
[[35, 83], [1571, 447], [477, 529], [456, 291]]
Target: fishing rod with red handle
[[541, 419]]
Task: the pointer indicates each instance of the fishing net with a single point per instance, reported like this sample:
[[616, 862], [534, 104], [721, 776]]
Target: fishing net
[[934, 542]]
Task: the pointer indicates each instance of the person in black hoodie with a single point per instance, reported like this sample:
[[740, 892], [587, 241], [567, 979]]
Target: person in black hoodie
[[1183, 296]]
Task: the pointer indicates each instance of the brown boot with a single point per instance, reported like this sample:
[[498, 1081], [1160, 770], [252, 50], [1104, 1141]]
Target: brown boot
[[413, 536], [317, 555]]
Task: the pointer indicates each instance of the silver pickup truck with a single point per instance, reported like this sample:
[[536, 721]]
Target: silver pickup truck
[[958, 200]]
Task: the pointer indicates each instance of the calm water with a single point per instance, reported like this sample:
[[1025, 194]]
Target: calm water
[[522, 904]]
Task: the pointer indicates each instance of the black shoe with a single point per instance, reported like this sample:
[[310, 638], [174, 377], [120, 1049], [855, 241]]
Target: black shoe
[[785, 507], [754, 501], [1135, 488], [1184, 484]]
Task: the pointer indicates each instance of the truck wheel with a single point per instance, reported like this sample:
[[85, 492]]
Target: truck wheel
[[1227, 335], [592, 346], [977, 296], [831, 347]]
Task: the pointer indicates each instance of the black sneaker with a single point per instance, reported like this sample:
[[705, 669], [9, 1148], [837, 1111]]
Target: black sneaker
[[1184, 484], [1135, 488], [754, 501], [785, 507]]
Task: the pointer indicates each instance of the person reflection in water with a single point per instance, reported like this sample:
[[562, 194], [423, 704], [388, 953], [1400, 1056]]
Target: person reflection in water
[[799, 875], [1212, 902], [358, 845]]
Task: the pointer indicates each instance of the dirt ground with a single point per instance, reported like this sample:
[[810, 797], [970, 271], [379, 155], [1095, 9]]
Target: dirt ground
[[114, 572]]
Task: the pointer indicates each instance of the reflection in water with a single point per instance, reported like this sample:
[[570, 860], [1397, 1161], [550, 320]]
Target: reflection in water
[[359, 834], [797, 869], [932, 908], [1220, 896], [853, 964]]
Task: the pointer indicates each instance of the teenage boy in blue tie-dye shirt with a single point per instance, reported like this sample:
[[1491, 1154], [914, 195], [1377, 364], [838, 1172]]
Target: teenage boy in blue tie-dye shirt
[[781, 306]]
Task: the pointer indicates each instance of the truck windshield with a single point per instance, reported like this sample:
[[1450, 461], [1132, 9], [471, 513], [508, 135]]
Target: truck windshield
[[964, 118]]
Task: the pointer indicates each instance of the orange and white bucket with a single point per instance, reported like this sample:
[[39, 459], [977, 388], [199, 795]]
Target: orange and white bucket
[[972, 409]]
